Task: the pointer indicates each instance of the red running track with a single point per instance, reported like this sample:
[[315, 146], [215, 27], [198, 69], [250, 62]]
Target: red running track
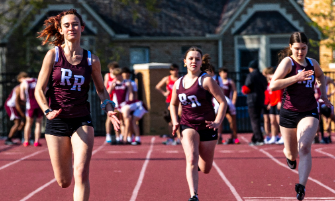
[[154, 171]]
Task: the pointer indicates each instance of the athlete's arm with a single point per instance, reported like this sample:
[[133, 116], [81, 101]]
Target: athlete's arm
[[101, 90], [210, 85], [279, 81], [174, 110], [320, 78], [161, 84], [106, 80], [17, 102], [233, 86], [131, 91], [23, 87]]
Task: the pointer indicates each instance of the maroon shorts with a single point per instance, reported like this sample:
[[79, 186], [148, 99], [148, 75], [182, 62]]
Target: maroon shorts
[[34, 112], [12, 113]]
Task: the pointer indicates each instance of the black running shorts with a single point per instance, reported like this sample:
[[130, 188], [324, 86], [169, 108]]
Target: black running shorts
[[205, 135], [274, 110], [65, 127], [325, 111], [265, 109], [290, 119]]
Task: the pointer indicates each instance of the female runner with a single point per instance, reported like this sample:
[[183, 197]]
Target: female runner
[[299, 117], [69, 126], [198, 123]]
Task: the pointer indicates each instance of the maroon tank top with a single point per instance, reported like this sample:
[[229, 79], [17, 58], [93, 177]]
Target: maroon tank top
[[228, 89], [299, 97], [69, 85], [121, 93], [196, 104], [31, 102]]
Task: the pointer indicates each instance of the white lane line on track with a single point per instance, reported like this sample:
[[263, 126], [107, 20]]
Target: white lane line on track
[[325, 153], [54, 180], [144, 167], [285, 166], [21, 159], [224, 178]]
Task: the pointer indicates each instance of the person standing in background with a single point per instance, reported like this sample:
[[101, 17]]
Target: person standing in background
[[108, 80], [169, 81], [255, 85], [13, 109], [33, 110]]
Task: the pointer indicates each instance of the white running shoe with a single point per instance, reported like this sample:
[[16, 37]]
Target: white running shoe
[[108, 138], [272, 140], [280, 141]]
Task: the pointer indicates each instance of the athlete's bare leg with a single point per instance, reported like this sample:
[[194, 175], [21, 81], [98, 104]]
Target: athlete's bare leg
[[38, 125], [127, 122], [267, 127], [306, 130], [60, 151], [135, 126], [27, 128], [206, 153], [290, 142], [190, 141], [108, 125], [232, 124], [274, 125], [14, 128], [82, 144]]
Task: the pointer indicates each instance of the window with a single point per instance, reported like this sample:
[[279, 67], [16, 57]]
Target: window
[[139, 55], [274, 57]]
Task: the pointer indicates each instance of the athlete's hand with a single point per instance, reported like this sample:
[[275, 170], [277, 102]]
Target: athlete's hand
[[212, 125], [268, 107], [115, 121], [326, 101], [304, 75], [175, 128], [53, 114], [166, 94]]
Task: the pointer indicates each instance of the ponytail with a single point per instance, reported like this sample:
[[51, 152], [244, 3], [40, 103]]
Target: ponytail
[[206, 65], [284, 53], [53, 24]]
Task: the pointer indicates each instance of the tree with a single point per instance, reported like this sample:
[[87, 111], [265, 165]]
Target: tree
[[323, 16]]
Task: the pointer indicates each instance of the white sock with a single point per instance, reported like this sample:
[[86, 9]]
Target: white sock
[[117, 138], [137, 139], [121, 136], [108, 137], [129, 139]]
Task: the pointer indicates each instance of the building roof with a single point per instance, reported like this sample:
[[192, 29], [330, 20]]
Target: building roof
[[266, 22], [172, 18]]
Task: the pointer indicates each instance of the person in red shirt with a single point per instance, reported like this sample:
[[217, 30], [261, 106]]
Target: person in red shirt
[[108, 79], [168, 82]]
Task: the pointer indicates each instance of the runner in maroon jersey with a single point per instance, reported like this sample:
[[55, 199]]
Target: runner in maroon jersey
[[299, 117], [122, 91], [27, 88], [13, 109], [68, 68], [108, 79], [198, 123], [132, 112]]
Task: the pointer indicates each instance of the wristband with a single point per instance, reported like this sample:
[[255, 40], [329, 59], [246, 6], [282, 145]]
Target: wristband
[[46, 112], [103, 105]]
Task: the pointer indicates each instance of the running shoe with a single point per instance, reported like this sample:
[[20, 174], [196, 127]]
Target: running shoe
[[108, 138], [229, 141], [272, 140], [300, 189], [136, 143], [26, 144], [169, 141], [256, 143], [237, 141], [194, 198], [37, 144], [280, 141], [291, 164], [9, 142]]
